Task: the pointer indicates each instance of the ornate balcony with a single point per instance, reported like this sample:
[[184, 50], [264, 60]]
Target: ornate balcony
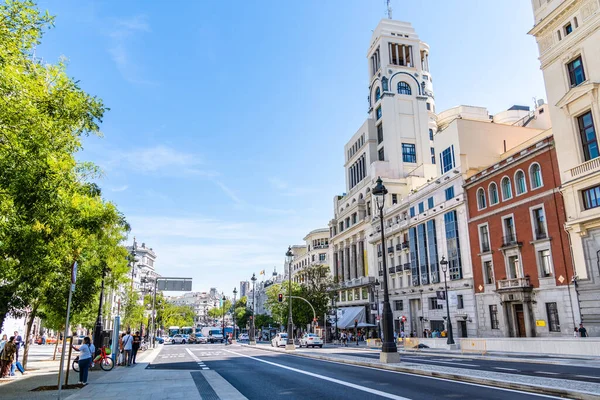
[[516, 283], [586, 168], [391, 249]]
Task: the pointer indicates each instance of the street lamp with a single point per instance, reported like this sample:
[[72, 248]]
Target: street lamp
[[99, 327], [234, 331], [334, 300], [389, 351], [133, 260], [377, 300], [289, 256], [252, 340], [223, 314], [444, 265]]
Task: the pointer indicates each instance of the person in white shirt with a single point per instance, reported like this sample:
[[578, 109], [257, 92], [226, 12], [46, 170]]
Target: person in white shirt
[[86, 353], [128, 347]]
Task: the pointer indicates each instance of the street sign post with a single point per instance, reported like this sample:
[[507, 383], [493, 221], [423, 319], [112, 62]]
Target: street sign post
[[64, 345]]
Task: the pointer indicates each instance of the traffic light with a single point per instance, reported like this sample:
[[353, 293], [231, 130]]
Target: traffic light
[[280, 297]]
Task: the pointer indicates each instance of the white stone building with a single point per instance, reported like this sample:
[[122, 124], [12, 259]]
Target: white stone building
[[395, 142], [314, 252], [568, 37], [201, 302]]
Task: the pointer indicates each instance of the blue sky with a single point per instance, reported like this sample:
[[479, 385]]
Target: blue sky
[[224, 140]]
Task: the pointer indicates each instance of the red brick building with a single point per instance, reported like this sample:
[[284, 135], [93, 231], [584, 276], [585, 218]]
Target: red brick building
[[522, 265]]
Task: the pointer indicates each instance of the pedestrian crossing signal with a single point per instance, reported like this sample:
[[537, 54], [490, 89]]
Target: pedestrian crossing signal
[[280, 297]]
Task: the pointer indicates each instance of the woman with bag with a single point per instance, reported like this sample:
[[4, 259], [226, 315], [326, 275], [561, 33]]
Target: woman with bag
[[7, 357], [86, 351]]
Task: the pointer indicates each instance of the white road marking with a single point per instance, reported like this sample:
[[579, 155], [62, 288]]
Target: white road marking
[[198, 361], [547, 373], [326, 378], [506, 369], [587, 376], [440, 362], [431, 377]]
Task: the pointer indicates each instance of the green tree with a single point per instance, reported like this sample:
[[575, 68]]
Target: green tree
[[242, 312]]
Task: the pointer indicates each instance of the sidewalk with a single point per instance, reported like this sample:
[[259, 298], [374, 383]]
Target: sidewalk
[[550, 386]]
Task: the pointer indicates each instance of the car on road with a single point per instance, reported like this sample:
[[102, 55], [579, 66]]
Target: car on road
[[160, 340], [279, 340], [311, 340], [178, 339], [243, 336], [201, 338]]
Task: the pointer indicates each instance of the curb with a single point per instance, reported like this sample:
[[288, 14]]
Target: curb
[[461, 378]]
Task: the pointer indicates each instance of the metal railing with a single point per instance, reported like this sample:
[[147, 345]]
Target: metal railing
[[541, 234], [509, 240], [391, 249], [406, 266], [485, 247], [391, 270], [398, 246]]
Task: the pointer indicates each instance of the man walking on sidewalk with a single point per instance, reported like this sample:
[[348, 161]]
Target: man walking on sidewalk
[[137, 340], [128, 346]]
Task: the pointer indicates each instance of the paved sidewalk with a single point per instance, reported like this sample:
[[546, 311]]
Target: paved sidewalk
[[568, 388]]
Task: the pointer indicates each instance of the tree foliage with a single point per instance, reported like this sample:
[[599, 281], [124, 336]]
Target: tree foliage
[[51, 212]]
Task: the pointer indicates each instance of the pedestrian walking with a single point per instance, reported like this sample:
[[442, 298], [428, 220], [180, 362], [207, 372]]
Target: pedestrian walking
[[137, 341], [344, 339], [127, 347], [18, 343], [582, 331], [121, 350], [86, 351], [7, 357]]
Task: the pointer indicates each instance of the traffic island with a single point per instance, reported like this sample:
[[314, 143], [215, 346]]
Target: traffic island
[[290, 347], [389, 358]]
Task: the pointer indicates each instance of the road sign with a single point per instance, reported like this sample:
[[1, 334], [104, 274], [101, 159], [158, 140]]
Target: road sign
[[175, 284]]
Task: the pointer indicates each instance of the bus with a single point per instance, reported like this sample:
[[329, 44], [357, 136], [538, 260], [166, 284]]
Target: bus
[[173, 330], [186, 330]]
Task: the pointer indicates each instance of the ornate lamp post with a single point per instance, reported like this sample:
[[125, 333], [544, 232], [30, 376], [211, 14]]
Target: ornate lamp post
[[444, 265], [252, 340], [289, 256], [223, 316], [389, 351], [376, 286], [234, 331], [98, 328]]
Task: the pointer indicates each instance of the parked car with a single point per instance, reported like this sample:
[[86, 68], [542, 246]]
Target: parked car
[[201, 338], [178, 339], [160, 340], [311, 340], [243, 336], [279, 340]]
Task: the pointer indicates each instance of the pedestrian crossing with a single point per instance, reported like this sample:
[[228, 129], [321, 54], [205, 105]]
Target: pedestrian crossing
[[198, 360]]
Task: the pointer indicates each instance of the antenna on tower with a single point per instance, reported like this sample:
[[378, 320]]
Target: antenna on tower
[[389, 9]]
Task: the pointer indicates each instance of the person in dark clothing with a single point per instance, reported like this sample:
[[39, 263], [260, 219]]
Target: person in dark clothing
[[18, 343], [582, 331], [135, 346]]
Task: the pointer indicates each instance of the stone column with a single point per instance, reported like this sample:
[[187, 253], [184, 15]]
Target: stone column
[[529, 332], [336, 269], [347, 262], [360, 259], [506, 309], [352, 260], [341, 276]]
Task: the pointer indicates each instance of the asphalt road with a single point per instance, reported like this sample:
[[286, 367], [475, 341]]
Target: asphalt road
[[576, 373], [259, 374]]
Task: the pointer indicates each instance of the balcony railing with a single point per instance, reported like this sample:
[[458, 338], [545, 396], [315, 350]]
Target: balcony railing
[[586, 167], [541, 234], [485, 247], [391, 270], [398, 246], [513, 283], [379, 253], [406, 266], [405, 245], [380, 273], [391, 249], [399, 268], [509, 240]]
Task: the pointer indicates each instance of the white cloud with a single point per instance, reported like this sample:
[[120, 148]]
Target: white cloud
[[285, 189], [119, 188]]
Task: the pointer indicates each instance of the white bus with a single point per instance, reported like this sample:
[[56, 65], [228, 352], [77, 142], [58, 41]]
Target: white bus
[[173, 330]]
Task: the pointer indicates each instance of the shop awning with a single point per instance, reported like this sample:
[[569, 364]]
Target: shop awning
[[349, 315]]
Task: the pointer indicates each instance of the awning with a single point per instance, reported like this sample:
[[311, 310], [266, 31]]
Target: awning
[[349, 315], [365, 325]]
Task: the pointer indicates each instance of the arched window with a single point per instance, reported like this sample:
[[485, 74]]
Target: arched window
[[404, 88], [493, 194], [520, 184], [377, 94], [481, 203], [535, 176], [506, 188]]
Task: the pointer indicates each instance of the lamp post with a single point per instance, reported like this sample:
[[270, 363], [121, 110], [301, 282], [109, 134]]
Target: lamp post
[[377, 300], [223, 316], [444, 265], [290, 340], [99, 327], [252, 340], [132, 259], [234, 331], [334, 299], [389, 351]]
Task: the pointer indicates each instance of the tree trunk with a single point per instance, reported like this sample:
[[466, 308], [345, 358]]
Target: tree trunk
[[28, 333], [55, 347]]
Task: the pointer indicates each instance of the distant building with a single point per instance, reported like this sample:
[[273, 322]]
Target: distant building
[[201, 302], [244, 285]]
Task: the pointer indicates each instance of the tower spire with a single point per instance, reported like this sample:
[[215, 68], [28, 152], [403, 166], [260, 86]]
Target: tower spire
[[389, 9]]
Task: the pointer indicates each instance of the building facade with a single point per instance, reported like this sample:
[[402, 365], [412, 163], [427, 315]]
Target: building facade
[[244, 288], [431, 221], [520, 251], [395, 142], [568, 33], [314, 252]]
